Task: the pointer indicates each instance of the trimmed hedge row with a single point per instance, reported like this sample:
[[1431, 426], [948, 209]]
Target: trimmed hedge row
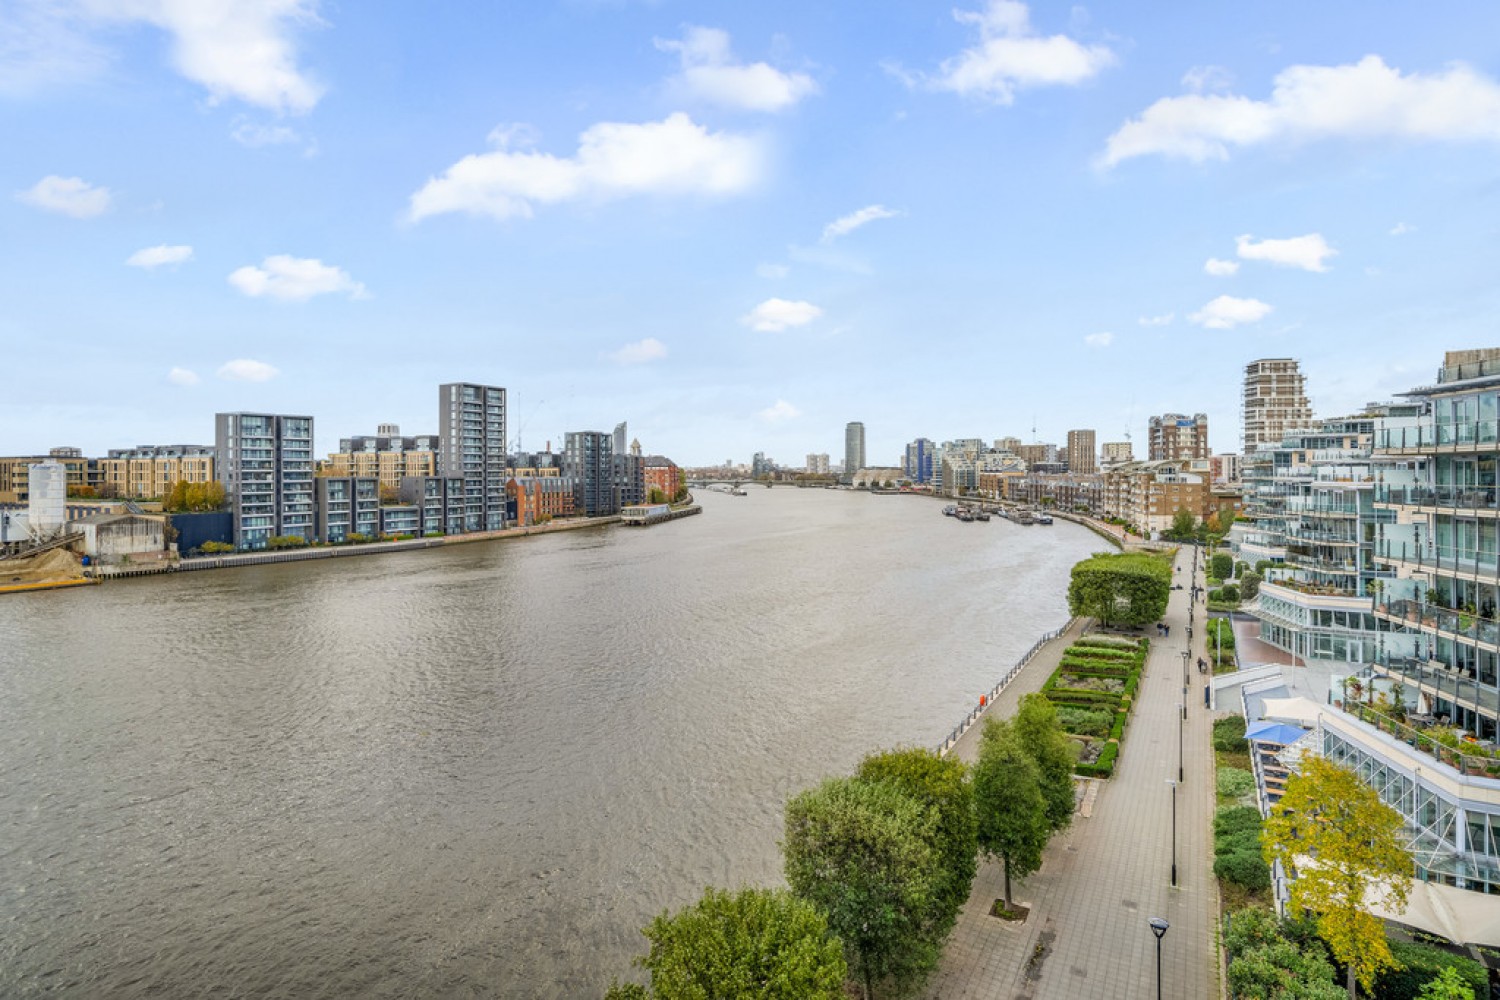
[[1108, 657], [1237, 855], [1109, 642]]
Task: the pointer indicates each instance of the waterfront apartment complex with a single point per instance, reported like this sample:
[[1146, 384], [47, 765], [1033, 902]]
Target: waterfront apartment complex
[[817, 464], [385, 455], [471, 422], [1148, 495], [1178, 438], [1116, 452], [266, 465], [854, 449], [1081, 457], [1275, 401], [916, 464], [152, 470], [588, 461]]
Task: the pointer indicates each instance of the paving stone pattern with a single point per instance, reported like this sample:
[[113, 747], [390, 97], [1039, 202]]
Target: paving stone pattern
[[1102, 880]]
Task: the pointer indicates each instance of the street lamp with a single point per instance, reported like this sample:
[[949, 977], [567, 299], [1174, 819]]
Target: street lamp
[[1174, 831], [1185, 655], [1179, 740], [1159, 927]]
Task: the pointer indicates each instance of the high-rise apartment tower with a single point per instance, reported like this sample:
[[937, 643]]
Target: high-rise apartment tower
[[1081, 455], [1275, 402], [854, 449], [471, 421]]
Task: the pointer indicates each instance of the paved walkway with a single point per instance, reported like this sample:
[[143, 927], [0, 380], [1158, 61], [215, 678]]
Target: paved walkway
[[1109, 873]]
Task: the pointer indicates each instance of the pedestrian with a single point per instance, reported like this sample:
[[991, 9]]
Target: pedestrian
[[1166, 631]]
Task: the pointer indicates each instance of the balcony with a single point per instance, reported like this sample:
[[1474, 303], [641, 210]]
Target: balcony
[[1435, 439], [1441, 621], [1463, 561], [1444, 744], [1478, 499], [1438, 680]]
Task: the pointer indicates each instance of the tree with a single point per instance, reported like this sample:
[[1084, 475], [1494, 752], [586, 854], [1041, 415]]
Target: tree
[[1013, 823], [861, 851], [1220, 565], [1045, 741], [751, 943], [1344, 845], [941, 784], [1128, 588], [1184, 525], [1250, 585]]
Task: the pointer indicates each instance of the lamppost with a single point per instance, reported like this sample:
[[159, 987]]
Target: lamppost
[[1183, 706], [1174, 831], [1179, 743], [1159, 927]]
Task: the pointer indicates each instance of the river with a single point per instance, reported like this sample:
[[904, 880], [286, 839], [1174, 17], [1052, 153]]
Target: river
[[476, 771]]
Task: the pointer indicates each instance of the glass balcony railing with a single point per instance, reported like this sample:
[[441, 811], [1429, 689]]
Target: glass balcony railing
[[1461, 497], [1452, 436], [1455, 623], [1441, 743], [1460, 559]]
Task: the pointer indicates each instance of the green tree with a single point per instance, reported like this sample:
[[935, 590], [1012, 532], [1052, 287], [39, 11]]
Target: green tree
[[1221, 565], [862, 852], [751, 943], [1250, 585], [1343, 844], [1121, 588], [942, 785], [1448, 985], [1042, 736], [1013, 823], [1184, 526], [1280, 970]]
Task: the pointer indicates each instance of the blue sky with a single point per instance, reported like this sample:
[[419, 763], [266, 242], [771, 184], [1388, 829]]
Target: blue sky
[[736, 226]]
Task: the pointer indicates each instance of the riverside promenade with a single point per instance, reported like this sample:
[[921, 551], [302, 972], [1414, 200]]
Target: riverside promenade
[[1109, 873]]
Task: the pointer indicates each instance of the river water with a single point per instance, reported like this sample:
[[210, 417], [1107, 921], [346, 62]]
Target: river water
[[475, 771]]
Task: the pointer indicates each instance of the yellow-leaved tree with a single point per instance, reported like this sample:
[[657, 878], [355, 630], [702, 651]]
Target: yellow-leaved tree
[[1345, 848]]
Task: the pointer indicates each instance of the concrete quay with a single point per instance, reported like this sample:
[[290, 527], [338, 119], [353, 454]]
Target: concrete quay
[[1109, 873]]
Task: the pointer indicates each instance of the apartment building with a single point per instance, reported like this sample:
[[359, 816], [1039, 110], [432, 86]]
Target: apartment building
[[152, 470], [265, 462], [1274, 402], [1116, 452], [1081, 456], [537, 501], [386, 455], [588, 463], [916, 463], [817, 464], [15, 484], [1175, 437], [471, 430], [663, 476], [1148, 495], [854, 449]]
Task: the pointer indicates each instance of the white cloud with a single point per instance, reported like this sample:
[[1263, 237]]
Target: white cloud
[[775, 315], [67, 196], [1365, 100], [239, 49], [640, 352], [845, 225], [246, 370], [1201, 78], [779, 411], [1401, 229], [1227, 312], [773, 271], [1307, 252], [614, 160], [1220, 268], [294, 279], [159, 255], [1010, 56], [1099, 339], [182, 376], [253, 135], [1165, 319], [709, 73]]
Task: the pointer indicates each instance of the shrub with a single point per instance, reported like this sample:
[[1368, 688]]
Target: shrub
[[1220, 565], [1234, 782], [1229, 734], [1219, 633], [213, 548], [1420, 964], [286, 542], [1109, 642], [1084, 721], [1246, 869], [1233, 820], [1104, 767]]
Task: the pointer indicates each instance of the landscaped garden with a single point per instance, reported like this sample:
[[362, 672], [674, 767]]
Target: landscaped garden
[[1093, 688]]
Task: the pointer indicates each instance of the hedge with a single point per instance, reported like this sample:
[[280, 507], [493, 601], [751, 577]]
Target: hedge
[[1081, 696], [1229, 734], [1246, 869], [1109, 642], [1237, 854], [1104, 767], [1233, 782], [1420, 964], [1103, 652]]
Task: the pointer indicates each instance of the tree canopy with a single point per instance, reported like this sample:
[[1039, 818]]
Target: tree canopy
[[752, 943], [1042, 737], [862, 852], [1013, 823], [1126, 588], [1344, 845], [941, 784]]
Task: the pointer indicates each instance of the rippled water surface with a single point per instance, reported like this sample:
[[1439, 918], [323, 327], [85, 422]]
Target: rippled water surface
[[478, 771]]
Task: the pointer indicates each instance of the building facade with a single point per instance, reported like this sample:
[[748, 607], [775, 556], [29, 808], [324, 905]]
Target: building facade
[[15, 486], [1148, 495], [1274, 402], [152, 470], [1178, 438], [588, 463], [916, 465], [1081, 456], [386, 455], [265, 462], [663, 477], [1116, 452], [538, 501], [471, 427], [854, 449]]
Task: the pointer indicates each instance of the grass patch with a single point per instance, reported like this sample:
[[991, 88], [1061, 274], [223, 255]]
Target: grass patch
[[1016, 914]]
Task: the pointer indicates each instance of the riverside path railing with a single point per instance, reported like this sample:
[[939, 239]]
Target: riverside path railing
[[985, 701]]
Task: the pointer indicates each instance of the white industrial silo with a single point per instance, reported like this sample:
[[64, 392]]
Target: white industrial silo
[[48, 512]]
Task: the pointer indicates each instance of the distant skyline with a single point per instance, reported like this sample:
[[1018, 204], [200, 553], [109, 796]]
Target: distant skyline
[[736, 227]]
